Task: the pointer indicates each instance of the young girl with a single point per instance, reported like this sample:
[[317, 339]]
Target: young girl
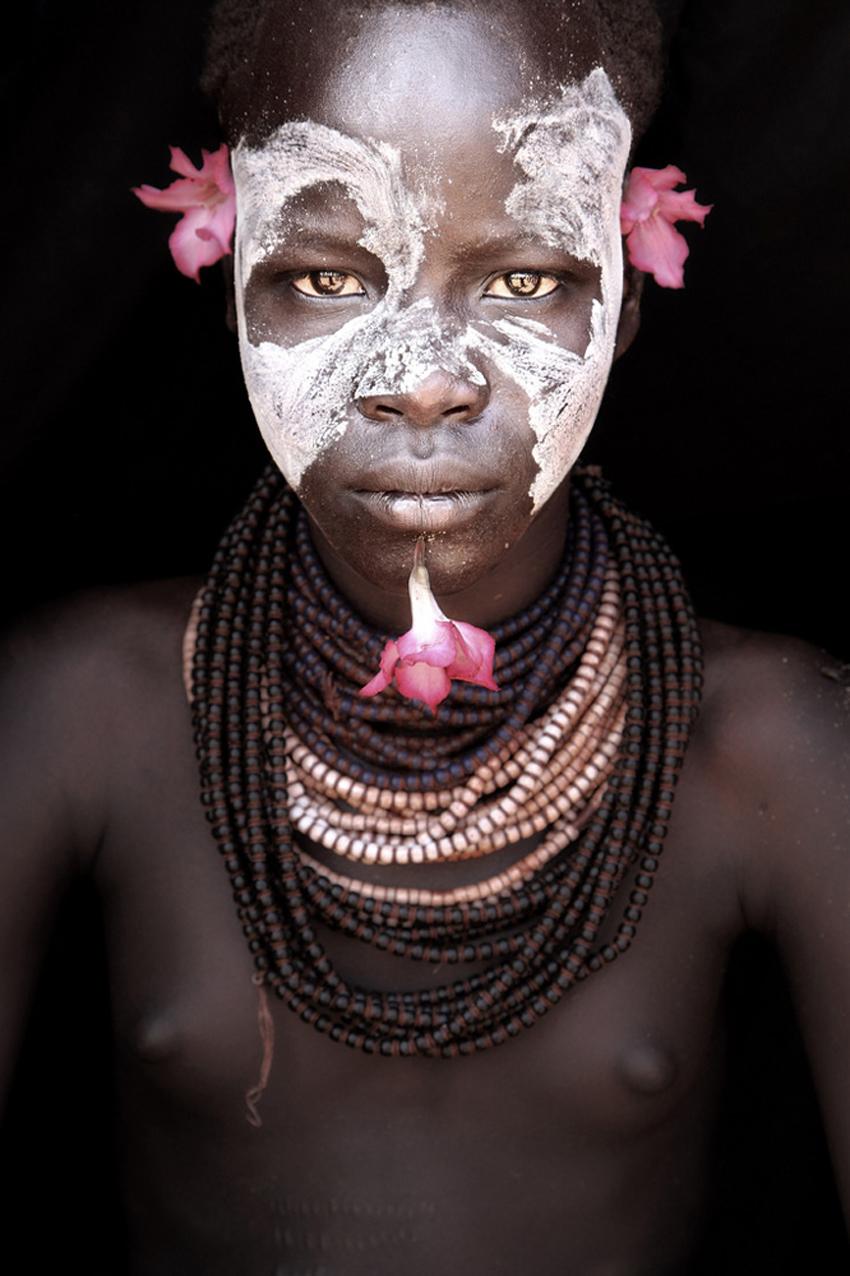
[[469, 991]]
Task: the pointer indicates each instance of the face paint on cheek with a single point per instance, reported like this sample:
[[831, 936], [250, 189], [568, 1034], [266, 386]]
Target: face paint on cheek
[[302, 394], [554, 380], [573, 152]]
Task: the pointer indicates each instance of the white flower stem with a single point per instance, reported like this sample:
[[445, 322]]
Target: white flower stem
[[423, 605]]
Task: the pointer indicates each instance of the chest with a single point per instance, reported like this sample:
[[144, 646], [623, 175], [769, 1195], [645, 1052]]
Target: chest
[[614, 1057], [606, 1100]]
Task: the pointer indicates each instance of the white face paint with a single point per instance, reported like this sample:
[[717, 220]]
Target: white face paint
[[302, 394], [572, 153]]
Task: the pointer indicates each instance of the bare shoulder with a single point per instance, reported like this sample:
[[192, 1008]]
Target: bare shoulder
[[759, 683], [775, 732], [121, 622], [75, 673], [83, 654]]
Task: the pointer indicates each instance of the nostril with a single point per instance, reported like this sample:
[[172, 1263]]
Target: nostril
[[439, 398]]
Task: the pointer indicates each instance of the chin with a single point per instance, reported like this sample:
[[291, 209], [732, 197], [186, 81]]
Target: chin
[[381, 555], [454, 568]]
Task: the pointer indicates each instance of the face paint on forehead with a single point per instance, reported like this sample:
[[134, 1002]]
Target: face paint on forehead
[[302, 154], [572, 153], [302, 394]]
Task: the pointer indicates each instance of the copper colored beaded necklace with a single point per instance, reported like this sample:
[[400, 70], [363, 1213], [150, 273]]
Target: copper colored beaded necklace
[[278, 659]]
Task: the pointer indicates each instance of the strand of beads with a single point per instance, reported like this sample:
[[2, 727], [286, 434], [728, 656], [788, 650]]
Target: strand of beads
[[487, 889], [534, 661], [550, 770], [249, 650]]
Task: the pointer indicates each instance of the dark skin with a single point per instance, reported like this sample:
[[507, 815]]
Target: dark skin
[[579, 1147]]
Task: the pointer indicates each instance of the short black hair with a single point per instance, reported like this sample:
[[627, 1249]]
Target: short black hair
[[628, 32]]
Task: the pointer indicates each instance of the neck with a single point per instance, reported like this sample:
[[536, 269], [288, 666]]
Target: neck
[[512, 584]]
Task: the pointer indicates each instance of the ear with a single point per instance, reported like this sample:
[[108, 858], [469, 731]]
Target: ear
[[229, 293], [627, 328]]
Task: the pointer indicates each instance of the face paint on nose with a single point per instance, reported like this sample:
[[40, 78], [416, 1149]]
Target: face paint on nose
[[573, 153], [302, 394]]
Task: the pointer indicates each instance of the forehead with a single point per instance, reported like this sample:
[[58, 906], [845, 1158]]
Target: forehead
[[448, 108], [421, 75]]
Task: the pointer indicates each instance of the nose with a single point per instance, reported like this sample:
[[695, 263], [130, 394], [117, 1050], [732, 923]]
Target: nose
[[441, 398]]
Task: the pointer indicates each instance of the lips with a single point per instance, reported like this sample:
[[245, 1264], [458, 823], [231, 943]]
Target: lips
[[436, 495], [437, 476], [424, 511]]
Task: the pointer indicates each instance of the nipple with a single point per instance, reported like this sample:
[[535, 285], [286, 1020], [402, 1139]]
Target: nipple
[[648, 1068]]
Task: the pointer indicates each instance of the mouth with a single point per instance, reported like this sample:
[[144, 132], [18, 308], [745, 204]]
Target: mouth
[[436, 495], [424, 511]]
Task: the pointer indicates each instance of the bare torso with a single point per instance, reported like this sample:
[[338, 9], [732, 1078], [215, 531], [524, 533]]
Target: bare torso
[[581, 1146]]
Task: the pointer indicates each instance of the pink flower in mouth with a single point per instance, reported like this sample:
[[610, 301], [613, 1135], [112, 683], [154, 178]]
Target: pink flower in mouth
[[434, 650], [205, 196], [649, 209]]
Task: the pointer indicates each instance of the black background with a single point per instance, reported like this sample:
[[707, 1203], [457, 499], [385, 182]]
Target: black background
[[128, 443]]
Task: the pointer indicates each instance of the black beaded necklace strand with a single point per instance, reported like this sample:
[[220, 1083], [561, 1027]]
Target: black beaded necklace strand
[[276, 646]]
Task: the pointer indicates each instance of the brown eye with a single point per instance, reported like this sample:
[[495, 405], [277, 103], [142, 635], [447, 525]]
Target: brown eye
[[522, 283], [328, 283]]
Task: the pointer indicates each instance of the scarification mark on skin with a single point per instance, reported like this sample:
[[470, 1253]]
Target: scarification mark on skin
[[357, 1208], [337, 1228]]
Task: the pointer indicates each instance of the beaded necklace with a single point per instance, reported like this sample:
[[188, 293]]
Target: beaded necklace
[[599, 688], [551, 770]]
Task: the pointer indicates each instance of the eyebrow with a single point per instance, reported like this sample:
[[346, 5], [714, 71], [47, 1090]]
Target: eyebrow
[[513, 244], [322, 239], [313, 232]]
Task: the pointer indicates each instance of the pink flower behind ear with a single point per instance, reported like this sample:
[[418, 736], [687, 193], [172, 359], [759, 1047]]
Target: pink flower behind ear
[[205, 196], [649, 209], [434, 650]]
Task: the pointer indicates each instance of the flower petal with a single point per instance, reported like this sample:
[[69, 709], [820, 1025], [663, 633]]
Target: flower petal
[[640, 200], [216, 168], [384, 676], [661, 179], [206, 196], [423, 682], [434, 650], [649, 209], [190, 249], [657, 247], [438, 649], [680, 206], [481, 647], [221, 223], [176, 198], [180, 163], [465, 663]]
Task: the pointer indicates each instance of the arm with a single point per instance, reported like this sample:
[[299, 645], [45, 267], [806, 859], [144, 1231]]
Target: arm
[[791, 727], [48, 799]]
